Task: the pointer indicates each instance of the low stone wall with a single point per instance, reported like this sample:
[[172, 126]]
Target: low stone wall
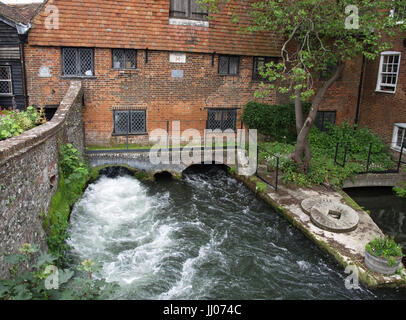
[[375, 180], [29, 173]]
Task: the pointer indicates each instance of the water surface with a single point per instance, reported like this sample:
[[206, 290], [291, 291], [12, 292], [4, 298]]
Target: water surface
[[204, 237]]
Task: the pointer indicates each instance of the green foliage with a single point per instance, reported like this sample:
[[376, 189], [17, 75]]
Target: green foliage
[[262, 187], [323, 145], [400, 190], [315, 37], [385, 247], [278, 121], [30, 283], [73, 177], [13, 123]]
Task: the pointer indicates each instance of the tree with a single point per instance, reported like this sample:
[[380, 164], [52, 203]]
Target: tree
[[317, 37]]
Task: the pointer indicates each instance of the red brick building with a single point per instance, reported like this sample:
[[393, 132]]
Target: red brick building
[[383, 99]]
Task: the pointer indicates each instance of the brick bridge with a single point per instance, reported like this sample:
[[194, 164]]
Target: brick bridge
[[172, 161]]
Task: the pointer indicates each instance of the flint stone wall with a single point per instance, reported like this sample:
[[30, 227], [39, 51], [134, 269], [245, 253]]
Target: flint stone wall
[[29, 174]]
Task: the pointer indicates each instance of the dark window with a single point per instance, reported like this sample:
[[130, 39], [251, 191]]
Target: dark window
[[222, 119], [78, 62], [259, 65], [124, 59], [6, 87], [187, 9], [229, 65], [130, 121], [323, 118]]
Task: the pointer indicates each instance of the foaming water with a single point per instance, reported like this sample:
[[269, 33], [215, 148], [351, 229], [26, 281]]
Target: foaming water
[[205, 237]]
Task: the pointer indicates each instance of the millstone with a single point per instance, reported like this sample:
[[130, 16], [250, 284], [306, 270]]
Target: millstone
[[309, 203], [334, 217]]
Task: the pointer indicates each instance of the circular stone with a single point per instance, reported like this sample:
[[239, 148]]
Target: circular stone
[[334, 217], [309, 203]]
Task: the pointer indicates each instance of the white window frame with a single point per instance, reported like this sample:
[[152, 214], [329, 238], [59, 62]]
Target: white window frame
[[9, 80], [392, 15], [379, 81], [396, 128]]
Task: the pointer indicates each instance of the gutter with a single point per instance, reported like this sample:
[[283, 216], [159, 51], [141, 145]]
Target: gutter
[[360, 89]]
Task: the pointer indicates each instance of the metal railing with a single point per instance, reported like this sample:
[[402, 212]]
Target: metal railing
[[275, 184], [369, 159]]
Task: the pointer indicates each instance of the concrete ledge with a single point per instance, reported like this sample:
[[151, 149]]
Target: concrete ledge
[[375, 180]]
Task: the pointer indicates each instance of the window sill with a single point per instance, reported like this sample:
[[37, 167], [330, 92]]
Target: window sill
[[125, 70], [78, 77], [6, 95], [188, 22], [228, 75], [130, 134], [382, 91]]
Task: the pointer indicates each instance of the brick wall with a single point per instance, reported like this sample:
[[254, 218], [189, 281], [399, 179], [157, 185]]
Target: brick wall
[[149, 87], [379, 111]]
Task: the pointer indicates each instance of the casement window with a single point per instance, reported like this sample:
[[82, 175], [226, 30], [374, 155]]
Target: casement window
[[399, 14], [388, 72], [187, 9], [6, 87], [130, 122], [399, 136], [259, 66], [78, 62], [222, 119], [323, 118], [229, 65], [124, 58]]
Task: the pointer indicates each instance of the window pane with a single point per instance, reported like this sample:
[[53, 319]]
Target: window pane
[[178, 8], [86, 62], [138, 121], [214, 119], [130, 59], [69, 61], [118, 59], [5, 80], [234, 65], [223, 64], [5, 73], [121, 122], [197, 12], [229, 119], [400, 136]]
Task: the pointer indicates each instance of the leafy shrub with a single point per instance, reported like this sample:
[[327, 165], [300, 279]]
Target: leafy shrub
[[13, 123], [29, 284], [278, 121], [401, 190], [73, 176], [323, 146], [385, 247]]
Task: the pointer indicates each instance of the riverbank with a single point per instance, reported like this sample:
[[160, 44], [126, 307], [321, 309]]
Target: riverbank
[[346, 248]]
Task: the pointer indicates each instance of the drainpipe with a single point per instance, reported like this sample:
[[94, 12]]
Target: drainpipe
[[360, 87], [24, 73]]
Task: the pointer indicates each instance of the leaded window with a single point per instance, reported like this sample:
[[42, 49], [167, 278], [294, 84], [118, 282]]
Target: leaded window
[[259, 66], [78, 62], [324, 118], [6, 87], [124, 58], [388, 72], [399, 136], [222, 119], [187, 9], [130, 122], [229, 65]]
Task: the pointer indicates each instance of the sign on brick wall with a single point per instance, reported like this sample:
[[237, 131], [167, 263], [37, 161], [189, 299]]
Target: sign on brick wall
[[177, 57], [177, 73]]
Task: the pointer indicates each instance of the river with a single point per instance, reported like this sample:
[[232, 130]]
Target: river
[[203, 237]]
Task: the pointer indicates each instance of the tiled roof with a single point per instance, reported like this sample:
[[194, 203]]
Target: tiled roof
[[27, 10], [12, 14], [144, 24]]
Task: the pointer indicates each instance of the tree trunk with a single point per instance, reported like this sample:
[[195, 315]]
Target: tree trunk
[[302, 154]]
